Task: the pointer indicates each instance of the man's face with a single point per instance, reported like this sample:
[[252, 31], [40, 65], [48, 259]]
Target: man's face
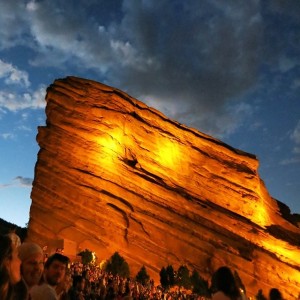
[[56, 272], [32, 269]]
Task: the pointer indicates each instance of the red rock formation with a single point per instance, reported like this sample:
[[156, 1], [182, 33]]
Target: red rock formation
[[115, 175]]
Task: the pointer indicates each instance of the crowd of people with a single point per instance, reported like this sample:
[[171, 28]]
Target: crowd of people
[[24, 275]]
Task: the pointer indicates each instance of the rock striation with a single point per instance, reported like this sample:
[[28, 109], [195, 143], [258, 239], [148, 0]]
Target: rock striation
[[116, 175]]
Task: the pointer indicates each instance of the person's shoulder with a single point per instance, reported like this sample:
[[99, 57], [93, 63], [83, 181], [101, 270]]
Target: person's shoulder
[[43, 292], [219, 296]]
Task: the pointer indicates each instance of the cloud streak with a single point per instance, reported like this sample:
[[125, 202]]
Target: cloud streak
[[7, 136], [23, 181], [295, 137], [18, 181], [295, 154]]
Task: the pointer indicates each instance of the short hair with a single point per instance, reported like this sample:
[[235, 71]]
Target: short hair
[[223, 280], [275, 294], [57, 256], [27, 249]]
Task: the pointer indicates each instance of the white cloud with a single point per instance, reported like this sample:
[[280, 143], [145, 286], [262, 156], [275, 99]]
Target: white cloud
[[296, 150], [15, 101], [296, 83], [256, 125], [4, 185], [24, 116], [18, 181], [290, 161], [24, 128], [7, 136], [65, 34], [286, 64], [32, 6], [12, 75], [23, 181], [13, 23], [295, 137], [2, 112]]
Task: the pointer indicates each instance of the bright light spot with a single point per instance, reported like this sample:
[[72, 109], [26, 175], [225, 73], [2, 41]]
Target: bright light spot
[[283, 250], [94, 257], [261, 216], [169, 153], [111, 143], [103, 264]]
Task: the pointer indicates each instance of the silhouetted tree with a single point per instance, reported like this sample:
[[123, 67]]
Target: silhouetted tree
[[164, 281], [142, 276], [199, 284], [117, 265], [6, 227], [171, 276], [183, 277], [86, 256]]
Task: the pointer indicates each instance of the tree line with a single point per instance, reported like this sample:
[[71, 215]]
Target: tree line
[[169, 277]]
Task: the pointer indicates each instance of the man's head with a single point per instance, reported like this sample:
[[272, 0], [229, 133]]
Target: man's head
[[55, 269], [275, 294], [32, 263]]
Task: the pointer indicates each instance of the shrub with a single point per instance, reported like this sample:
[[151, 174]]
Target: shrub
[[117, 265], [142, 276]]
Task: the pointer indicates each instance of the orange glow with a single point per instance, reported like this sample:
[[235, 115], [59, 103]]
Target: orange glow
[[169, 154], [261, 215], [111, 146], [283, 250], [114, 142], [111, 142]]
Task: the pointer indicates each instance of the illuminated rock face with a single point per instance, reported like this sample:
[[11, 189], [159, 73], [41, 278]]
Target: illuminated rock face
[[115, 175]]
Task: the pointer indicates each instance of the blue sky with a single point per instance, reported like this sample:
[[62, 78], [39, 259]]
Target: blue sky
[[228, 68]]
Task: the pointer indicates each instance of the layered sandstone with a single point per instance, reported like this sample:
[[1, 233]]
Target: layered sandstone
[[116, 175]]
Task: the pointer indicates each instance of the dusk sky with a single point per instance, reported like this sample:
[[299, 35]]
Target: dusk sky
[[230, 69]]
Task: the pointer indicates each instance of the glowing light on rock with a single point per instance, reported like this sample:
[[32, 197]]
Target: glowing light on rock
[[111, 143], [169, 154], [283, 251], [110, 147], [261, 215]]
